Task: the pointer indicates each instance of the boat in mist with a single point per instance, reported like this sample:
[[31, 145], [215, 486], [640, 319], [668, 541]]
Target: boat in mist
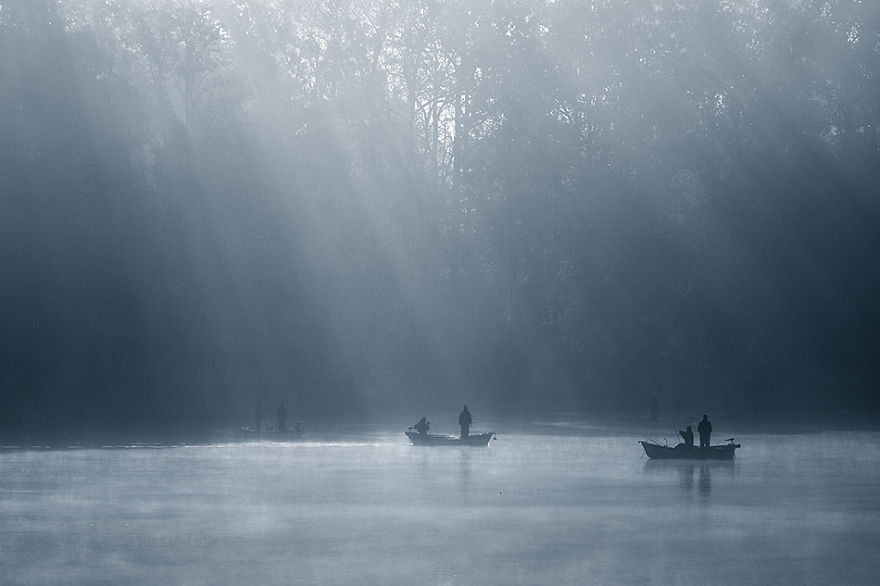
[[683, 452], [277, 435], [432, 439]]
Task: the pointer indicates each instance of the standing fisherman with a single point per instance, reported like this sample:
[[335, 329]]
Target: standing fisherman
[[705, 430], [465, 420]]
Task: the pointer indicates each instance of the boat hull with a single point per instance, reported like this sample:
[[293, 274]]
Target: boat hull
[[682, 452], [430, 439]]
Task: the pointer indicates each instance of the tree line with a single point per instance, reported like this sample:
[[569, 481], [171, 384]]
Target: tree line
[[544, 204]]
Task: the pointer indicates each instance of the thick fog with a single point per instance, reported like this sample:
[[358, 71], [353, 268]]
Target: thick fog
[[364, 207]]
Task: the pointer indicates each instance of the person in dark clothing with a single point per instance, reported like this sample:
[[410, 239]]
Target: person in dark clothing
[[281, 414], [688, 436], [465, 420], [422, 426], [705, 431]]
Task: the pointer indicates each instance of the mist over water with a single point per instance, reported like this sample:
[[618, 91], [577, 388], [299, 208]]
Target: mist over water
[[530, 509]]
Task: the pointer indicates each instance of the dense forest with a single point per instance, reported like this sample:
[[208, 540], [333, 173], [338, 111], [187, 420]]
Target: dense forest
[[374, 206]]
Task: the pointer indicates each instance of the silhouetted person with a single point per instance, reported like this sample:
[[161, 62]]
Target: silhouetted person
[[258, 416], [422, 426], [281, 414], [465, 420], [705, 431], [688, 436]]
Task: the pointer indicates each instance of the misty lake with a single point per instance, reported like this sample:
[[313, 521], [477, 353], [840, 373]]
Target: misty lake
[[576, 507]]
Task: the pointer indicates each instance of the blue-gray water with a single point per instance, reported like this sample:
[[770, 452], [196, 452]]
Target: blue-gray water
[[530, 509]]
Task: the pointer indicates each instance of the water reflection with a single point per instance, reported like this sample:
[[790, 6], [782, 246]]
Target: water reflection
[[705, 482], [689, 475], [686, 475], [464, 468]]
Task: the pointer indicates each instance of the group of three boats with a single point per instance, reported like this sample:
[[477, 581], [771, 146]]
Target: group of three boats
[[652, 449]]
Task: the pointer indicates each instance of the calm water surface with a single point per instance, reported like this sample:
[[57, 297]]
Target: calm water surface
[[530, 509]]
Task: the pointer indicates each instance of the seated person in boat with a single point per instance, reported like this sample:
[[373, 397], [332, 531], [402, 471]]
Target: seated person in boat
[[688, 436], [422, 426]]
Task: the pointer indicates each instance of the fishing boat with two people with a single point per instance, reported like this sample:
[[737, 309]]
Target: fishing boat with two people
[[421, 437], [686, 449], [684, 452]]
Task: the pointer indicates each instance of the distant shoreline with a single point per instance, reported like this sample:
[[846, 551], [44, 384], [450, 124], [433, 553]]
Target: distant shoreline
[[556, 424]]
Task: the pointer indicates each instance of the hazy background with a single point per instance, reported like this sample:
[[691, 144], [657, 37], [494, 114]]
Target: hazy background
[[382, 207]]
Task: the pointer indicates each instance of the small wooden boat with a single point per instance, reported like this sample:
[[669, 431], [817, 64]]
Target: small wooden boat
[[431, 439], [683, 452]]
